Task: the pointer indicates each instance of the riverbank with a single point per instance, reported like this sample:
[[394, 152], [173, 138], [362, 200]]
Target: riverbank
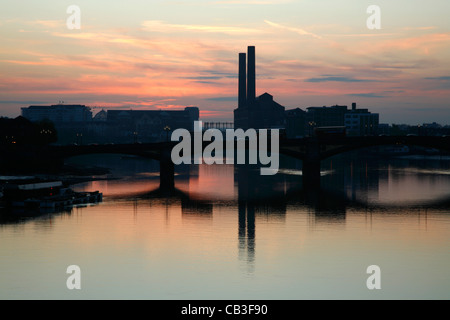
[[68, 175]]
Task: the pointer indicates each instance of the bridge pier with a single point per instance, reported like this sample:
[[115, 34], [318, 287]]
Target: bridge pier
[[166, 169], [311, 174], [311, 165]]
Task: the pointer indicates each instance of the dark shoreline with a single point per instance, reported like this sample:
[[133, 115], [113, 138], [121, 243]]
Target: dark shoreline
[[69, 174]]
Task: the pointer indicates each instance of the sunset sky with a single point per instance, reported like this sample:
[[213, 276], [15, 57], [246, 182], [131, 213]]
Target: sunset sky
[[146, 54]]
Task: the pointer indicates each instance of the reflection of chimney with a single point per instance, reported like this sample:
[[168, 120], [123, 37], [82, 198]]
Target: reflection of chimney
[[251, 74], [242, 80]]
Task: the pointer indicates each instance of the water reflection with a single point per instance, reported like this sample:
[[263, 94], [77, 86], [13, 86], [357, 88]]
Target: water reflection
[[273, 227], [354, 187], [372, 184]]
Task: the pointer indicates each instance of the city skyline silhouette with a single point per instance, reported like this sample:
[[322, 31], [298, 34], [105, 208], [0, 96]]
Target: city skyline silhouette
[[398, 71]]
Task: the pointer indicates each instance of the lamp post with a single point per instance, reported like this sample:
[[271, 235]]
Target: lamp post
[[79, 138], [167, 130], [312, 124], [135, 137]]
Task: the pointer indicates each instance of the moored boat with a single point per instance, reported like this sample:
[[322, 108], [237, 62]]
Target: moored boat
[[45, 196]]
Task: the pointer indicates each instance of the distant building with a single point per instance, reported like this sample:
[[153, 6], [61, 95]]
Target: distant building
[[263, 112], [361, 122], [358, 122], [223, 126], [384, 129], [75, 123], [101, 116], [431, 129], [255, 112], [326, 116], [128, 126], [59, 113], [70, 120], [433, 125], [295, 123]]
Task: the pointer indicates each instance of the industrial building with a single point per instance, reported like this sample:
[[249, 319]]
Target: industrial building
[[260, 112]]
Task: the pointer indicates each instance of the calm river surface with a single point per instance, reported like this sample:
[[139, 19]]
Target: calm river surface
[[228, 233]]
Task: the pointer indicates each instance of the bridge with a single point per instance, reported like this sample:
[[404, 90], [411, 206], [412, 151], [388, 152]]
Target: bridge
[[313, 150], [310, 150]]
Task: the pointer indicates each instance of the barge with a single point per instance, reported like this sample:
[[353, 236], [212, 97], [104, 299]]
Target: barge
[[44, 196]]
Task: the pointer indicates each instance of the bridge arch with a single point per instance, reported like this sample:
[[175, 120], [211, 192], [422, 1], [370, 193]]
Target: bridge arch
[[151, 150], [440, 143], [156, 151], [313, 150]]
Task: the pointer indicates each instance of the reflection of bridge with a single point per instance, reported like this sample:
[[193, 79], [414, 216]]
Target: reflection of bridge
[[310, 150], [258, 197]]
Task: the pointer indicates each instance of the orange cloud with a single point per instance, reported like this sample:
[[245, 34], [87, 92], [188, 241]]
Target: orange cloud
[[164, 27]]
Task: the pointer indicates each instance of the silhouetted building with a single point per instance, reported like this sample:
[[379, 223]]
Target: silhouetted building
[[255, 112], [263, 112], [101, 116], [251, 74], [384, 129], [75, 123], [358, 122], [361, 122], [127, 126], [242, 100], [59, 113], [223, 126], [69, 120], [326, 116], [295, 123], [22, 131]]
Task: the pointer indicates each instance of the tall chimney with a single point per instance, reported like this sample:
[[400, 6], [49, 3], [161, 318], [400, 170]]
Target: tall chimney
[[251, 74], [242, 80]]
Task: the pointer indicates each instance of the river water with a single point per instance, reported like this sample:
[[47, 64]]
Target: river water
[[226, 232]]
